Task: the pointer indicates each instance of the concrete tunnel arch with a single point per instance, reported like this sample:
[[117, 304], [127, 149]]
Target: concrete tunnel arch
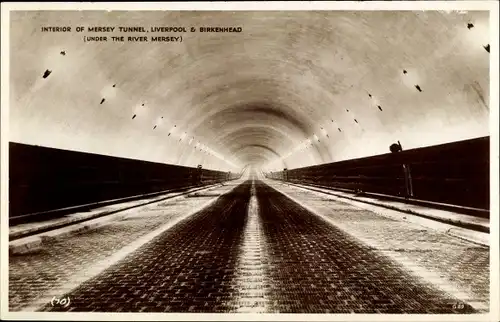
[[314, 87]]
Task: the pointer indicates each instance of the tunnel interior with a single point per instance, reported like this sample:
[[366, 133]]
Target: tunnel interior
[[292, 89], [323, 161]]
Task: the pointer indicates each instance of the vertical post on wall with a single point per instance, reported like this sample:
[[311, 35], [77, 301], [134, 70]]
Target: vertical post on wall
[[408, 184], [285, 174], [396, 148], [408, 181], [199, 174]]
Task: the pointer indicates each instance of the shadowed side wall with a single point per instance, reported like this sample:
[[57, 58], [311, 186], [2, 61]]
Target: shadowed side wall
[[455, 173], [42, 179]]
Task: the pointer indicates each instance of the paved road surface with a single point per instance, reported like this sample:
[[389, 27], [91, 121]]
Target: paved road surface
[[255, 250]]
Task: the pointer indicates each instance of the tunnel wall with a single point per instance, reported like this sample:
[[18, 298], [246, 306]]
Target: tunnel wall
[[455, 173], [43, 179]]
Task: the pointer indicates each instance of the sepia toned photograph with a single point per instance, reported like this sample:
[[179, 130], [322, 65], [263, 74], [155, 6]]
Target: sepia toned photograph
[[323, 161]]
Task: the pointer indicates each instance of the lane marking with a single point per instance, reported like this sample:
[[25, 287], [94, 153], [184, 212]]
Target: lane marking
[[252, 294], [96, 269]]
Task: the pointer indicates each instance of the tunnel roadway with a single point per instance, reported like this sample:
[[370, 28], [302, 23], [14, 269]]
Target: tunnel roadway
[[256, 250]]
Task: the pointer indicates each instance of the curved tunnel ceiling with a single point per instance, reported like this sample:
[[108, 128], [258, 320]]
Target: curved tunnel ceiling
[[292, 89]]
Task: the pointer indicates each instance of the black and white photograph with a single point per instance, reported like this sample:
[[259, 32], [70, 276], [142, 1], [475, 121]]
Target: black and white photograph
[[312, 161]]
